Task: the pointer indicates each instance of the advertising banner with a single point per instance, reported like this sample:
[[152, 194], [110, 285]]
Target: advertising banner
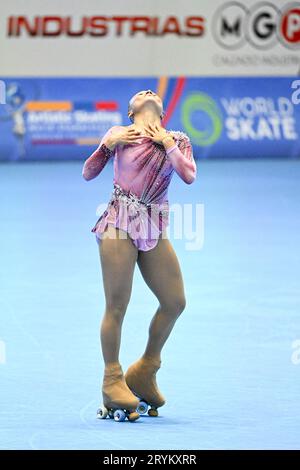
[[237, 117], [149, 38]]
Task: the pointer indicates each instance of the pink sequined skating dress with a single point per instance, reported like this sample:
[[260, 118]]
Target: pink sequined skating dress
[[142, 173]]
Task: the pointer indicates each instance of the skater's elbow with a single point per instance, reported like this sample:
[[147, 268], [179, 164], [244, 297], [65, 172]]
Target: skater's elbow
[[87, 175], [190, 176]]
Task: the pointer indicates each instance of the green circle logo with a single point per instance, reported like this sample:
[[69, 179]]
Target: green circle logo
[[204, 103]]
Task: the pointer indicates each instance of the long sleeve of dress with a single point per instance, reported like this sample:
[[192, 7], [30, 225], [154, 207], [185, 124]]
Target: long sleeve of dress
[[97, 161], [182, 159]]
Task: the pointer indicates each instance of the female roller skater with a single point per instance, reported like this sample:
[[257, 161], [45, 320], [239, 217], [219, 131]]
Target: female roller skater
[[132, 230]]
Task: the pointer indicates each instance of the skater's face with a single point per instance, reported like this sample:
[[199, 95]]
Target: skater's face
[[144, 99]]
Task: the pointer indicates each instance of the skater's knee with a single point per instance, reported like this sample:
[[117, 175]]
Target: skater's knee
[[180, 305], [116, 308], [174, 306]]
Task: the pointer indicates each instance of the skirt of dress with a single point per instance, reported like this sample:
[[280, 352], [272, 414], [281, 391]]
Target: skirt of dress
[[143, 222]]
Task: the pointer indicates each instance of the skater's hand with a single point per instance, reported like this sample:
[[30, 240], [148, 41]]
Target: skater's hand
[[158, 133], [122, 136]]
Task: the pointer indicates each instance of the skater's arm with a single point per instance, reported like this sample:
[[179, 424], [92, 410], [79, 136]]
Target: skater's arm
[[97, 161], [182, 159]]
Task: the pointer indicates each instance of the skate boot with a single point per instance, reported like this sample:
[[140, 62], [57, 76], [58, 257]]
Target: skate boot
[[119, 402], [140, 378]]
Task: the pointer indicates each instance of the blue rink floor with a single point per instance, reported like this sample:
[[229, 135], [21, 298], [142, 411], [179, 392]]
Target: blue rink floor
[[231, 368]]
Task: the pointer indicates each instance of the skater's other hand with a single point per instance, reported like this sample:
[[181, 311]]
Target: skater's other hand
[[124, 135]]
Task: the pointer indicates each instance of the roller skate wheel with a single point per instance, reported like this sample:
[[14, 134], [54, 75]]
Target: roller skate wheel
[[153, 412], [102, 412], [133, 416], [142, 408], [119, 415]]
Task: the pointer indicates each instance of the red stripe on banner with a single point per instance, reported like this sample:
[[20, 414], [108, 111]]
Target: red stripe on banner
[[180, 82], [106, 105]]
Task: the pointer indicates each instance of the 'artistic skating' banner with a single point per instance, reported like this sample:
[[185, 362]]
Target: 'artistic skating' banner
[[225, 117]]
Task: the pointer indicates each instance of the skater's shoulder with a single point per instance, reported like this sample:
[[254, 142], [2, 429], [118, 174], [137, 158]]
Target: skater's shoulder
[[115, 128], [179, 135]]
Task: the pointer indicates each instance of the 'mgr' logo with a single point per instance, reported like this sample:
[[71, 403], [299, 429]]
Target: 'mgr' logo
[[263, 25], [2, 92]]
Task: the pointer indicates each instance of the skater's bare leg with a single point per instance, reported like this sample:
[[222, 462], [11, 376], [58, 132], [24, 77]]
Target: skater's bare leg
[[161, 271], [118, 257]]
